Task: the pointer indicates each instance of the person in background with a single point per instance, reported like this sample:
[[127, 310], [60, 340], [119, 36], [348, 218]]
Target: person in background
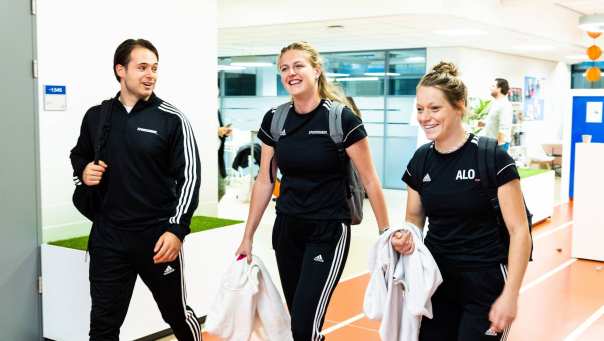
[[148, 177], [498, 123], [311, 234], [481, 280], [224, 131]]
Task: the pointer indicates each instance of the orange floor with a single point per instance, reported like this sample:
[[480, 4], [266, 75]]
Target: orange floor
[[561, 299]]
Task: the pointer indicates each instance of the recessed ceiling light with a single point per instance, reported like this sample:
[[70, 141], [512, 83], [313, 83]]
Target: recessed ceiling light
[[460, 32], [592, 23], [335, 27], [253, 64]]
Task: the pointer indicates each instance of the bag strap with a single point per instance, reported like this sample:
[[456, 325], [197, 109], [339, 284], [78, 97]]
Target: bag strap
[[278, 121], [103, 130], [277, 124], [336, 132], [487, 171]]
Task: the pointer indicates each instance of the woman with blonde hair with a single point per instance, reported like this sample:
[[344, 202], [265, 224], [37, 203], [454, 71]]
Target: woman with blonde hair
[[311, 234], [482, 263]]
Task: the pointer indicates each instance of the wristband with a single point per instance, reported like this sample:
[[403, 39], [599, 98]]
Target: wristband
[[384, 230]]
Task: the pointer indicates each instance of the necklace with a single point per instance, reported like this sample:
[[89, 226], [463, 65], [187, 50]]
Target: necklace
[[451, 150]]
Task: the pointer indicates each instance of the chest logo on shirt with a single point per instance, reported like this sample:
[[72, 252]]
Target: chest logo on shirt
[[465, 174], [317, 132], [283, 132], [150, 131]]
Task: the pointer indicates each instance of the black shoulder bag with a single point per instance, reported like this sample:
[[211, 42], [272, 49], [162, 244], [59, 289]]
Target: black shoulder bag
[[487, 172], [88, 199]]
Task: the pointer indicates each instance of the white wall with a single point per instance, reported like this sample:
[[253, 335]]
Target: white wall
[[478, 69], [76, 42]]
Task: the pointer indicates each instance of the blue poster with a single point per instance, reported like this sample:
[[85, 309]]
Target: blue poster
[[533, 98]]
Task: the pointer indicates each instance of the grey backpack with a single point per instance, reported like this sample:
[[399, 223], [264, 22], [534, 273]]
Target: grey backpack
[[355, 192]]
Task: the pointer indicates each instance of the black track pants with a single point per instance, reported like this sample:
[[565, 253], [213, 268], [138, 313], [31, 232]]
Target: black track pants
[[116, 258], [461, 306], [310, 256]]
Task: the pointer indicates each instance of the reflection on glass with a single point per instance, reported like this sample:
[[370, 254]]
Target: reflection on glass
[[357, 72], [382, 84]]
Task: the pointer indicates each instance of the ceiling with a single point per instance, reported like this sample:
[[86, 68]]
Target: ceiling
[[419, 30], [583, 7]]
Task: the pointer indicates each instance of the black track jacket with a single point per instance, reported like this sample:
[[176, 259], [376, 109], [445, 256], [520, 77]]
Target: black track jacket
[[153, 172]]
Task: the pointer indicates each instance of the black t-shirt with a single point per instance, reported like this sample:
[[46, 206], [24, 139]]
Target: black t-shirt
[[313, 181], [462, 225]]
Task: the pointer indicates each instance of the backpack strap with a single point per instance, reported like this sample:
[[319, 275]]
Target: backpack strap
[[336, 132], [103, 129], [487, 171], [278, 121], [277, 124], [422, 154]]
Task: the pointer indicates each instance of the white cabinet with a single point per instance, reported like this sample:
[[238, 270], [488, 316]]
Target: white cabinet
[[588, 227], [538, 191]]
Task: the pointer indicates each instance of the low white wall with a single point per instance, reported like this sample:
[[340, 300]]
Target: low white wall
[[566, 136], [66, 290], [538, 191]]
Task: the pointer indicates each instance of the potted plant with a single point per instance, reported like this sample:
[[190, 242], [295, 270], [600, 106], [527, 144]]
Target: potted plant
[[479, 108]]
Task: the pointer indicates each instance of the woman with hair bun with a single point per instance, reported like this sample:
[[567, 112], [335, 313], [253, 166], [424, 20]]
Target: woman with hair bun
[[482, 274]]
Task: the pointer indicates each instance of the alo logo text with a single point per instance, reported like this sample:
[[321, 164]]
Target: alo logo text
[[465, 174]]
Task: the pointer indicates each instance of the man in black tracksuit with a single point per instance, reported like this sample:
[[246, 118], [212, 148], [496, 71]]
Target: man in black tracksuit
[[148, 176]]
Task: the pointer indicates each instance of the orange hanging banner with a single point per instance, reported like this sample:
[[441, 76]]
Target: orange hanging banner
[[594, 52], [593, 74]]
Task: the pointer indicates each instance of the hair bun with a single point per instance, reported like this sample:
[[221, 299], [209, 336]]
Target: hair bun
[[445, 68]]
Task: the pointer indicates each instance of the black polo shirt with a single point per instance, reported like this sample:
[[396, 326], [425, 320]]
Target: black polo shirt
[[462, 225], [313, 181]]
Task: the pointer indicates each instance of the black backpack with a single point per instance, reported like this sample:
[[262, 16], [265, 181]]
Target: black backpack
[[487, 173], [355, 192], [88, 199]]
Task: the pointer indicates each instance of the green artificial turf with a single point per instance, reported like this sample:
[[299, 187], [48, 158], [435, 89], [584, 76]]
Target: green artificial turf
[[198, 224], [526, 172]]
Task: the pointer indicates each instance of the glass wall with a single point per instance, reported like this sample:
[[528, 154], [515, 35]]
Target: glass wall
[[382, 84], [578, 80]]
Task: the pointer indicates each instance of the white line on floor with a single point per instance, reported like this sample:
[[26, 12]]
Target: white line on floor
[[538, 236], [547, 275], [343, 324], [583, 327]]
